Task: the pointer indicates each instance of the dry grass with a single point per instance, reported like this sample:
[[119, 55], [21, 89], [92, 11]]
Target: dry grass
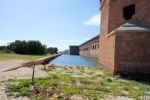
[[63, 85], [10, 56]]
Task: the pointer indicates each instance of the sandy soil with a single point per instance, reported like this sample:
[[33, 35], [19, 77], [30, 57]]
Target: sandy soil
[[26, 72], [20, 73], [23, 72]]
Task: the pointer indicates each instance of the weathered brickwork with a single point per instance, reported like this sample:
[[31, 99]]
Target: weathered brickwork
[[116, 19], [132, 55], [90, 48], [126, 50], [106, 45]]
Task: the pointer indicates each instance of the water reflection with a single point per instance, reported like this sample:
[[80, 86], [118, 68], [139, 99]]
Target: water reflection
[[74, 60]]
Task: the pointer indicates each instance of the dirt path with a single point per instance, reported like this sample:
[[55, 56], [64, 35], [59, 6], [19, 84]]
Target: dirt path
[[21, 73]]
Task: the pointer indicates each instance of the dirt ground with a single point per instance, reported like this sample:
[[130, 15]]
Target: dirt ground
[[21, 73], [25, 72]]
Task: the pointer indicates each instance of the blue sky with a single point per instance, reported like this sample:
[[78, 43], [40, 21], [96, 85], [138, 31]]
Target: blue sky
[[56, 23]]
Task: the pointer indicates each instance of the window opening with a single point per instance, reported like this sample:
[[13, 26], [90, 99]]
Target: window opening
[[128, 11]]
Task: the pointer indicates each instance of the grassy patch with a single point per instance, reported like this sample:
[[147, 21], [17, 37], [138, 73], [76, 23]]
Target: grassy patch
[[10, 56], [63, 86], [91, 72]]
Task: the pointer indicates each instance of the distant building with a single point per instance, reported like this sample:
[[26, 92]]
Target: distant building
[[74, 50], [90, 48]]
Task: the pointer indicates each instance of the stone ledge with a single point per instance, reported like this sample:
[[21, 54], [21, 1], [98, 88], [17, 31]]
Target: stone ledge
[[123, 31]]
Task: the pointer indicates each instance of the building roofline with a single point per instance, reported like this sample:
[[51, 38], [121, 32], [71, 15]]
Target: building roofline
[[89, 40], [102, 2], [74, 45], [129, 26]]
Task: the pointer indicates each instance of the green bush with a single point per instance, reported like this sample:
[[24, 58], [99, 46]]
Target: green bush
[[109, 80]]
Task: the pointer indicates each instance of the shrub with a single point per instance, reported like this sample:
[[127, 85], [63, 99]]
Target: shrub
[[109, 80]]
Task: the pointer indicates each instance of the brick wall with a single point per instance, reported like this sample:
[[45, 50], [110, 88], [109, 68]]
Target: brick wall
[[142, 16], [106, 45], [136, 53], [106, 53], [90, 48], [116, 18], [132, 55]]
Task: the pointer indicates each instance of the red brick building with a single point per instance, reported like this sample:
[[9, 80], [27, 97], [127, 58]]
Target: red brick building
[[90, 48], [124, 45]]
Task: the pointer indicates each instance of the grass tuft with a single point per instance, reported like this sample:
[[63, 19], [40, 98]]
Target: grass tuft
[[91, 86], [12, 56]]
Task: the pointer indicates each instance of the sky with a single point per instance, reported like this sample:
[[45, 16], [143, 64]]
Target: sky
[[56, 23]]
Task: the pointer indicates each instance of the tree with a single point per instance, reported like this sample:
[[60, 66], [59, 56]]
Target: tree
[[27, 47], [52, 50], [33, 47]]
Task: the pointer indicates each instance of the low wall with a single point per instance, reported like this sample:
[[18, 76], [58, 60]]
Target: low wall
[[47, 59], [41, 61]]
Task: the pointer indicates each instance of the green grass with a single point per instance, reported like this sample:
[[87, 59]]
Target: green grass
[[10, 56], [63, 86]]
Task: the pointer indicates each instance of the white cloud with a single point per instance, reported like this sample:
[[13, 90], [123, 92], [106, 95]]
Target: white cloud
[[4, 42], [70, 41], [94, 21]]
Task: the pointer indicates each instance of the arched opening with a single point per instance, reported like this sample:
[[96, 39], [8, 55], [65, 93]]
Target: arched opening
[[129, 11]]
